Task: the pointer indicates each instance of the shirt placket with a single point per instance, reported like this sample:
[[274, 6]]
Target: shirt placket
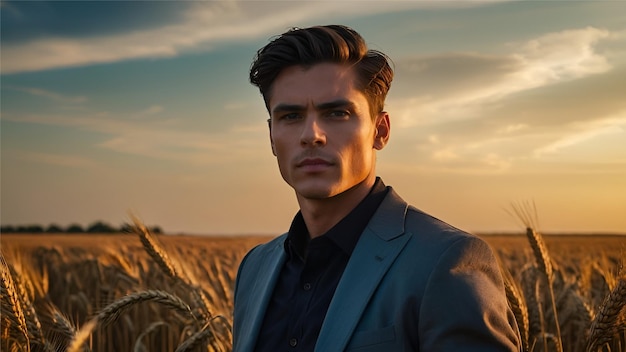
[[309, 278]]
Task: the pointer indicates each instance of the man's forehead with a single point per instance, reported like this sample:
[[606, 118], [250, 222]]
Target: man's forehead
[[315, 85]]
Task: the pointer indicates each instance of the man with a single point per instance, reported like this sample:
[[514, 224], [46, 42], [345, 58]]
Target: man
[[359, 269]]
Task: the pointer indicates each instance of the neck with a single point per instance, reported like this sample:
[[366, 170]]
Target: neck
[[320, 215]]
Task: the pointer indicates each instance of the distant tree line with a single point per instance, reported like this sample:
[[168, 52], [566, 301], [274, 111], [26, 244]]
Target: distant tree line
[[96, 227]]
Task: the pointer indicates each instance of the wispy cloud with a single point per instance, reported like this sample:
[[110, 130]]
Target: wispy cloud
[[149, 111], [6, 6], [187, 147], [582, 132], [580, 144], [205, 24], [467, 158], [49, 94], [162, 140], [63, 160], [460, 85], [512, 128], [445, 154]]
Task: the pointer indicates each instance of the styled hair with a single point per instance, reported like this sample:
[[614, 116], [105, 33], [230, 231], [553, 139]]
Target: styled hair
[[324, 44]]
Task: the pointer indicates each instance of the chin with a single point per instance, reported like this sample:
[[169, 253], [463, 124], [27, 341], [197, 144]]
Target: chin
[[315, 190], [314, 193]]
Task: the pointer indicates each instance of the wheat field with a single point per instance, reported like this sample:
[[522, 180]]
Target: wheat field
[[139, 292]]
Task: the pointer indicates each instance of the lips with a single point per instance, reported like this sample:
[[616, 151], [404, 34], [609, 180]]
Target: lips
[[313, 164]]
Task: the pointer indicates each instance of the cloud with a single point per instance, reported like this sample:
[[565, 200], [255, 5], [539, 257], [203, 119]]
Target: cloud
[[187, 147], [73, 161], [455, 86], [162, 140], [237, 105], [152, 110], [468, 158], [582, 132], [576, 146], [203, 25], [512, 128], [561, 56], [49, 94], [7, 6], [497, 162], [445, 154], [204, 22]]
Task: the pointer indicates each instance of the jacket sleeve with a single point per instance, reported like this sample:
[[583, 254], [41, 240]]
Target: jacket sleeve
[[240, 269], [464, 307], [239, 310]]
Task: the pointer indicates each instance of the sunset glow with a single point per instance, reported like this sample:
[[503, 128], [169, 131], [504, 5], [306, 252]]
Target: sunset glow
[[145, 106]]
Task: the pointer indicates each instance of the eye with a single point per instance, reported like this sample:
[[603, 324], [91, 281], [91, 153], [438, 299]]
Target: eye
[[338, 114], [290, 117]]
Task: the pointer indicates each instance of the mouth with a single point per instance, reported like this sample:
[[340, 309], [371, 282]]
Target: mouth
[[313, 164], [313, 161]]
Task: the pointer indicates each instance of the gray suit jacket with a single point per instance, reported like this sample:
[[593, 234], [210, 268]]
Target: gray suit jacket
[[413, 283]]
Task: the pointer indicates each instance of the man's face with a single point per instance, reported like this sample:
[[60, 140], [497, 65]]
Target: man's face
[[322, 132]]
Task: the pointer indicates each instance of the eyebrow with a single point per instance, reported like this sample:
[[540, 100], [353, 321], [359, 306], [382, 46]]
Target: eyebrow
[[322, 106]]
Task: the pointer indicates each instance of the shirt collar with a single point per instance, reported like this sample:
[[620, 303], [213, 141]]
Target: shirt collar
[[346, 233]]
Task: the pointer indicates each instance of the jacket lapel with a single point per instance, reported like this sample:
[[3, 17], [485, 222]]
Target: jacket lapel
[[261, 294], [379, 245]]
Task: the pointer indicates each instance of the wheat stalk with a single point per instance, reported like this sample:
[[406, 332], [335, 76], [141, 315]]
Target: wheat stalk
[[62, 325], [542, 258], [519, 309], [572, 307], [113, 311], [517, 304], [527, 213], [206, 333], [154, 249], [33, 325], [195, 340], [11, 306], [529, 288], [81, 336], [605, 324], [540, 251], [138, 344]]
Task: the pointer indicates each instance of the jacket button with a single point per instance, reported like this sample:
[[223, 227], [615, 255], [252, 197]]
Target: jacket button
[[307, 286], [293, 342]]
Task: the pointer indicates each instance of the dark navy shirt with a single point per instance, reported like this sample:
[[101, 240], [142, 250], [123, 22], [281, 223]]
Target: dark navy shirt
[[309, 277]]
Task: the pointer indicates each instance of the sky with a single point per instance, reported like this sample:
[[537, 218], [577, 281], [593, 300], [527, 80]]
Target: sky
[[111, 107]]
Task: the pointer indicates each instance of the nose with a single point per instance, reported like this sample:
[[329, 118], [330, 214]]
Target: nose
[[313, 133]]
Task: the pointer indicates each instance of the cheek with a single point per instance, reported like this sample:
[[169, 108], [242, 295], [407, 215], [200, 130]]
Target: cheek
[[359, 156], [283, 156], [278, 144], [283, 166], [282, 148]]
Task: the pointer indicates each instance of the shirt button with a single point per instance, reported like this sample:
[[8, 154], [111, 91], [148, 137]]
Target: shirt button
[[307, 286], [293, 342]]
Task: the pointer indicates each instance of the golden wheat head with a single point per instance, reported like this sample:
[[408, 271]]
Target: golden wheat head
[[605, 323]]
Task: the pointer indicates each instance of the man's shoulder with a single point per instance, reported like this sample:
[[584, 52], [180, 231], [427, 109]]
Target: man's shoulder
[[423, 225], [437, 236], [272, 245], [255, 257], [428, 223]]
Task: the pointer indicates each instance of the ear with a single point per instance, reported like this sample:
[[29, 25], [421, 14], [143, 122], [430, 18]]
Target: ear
[[269, 125], [383, 130]]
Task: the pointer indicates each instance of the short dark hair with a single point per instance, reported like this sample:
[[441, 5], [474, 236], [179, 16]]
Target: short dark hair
[[319, 44]]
